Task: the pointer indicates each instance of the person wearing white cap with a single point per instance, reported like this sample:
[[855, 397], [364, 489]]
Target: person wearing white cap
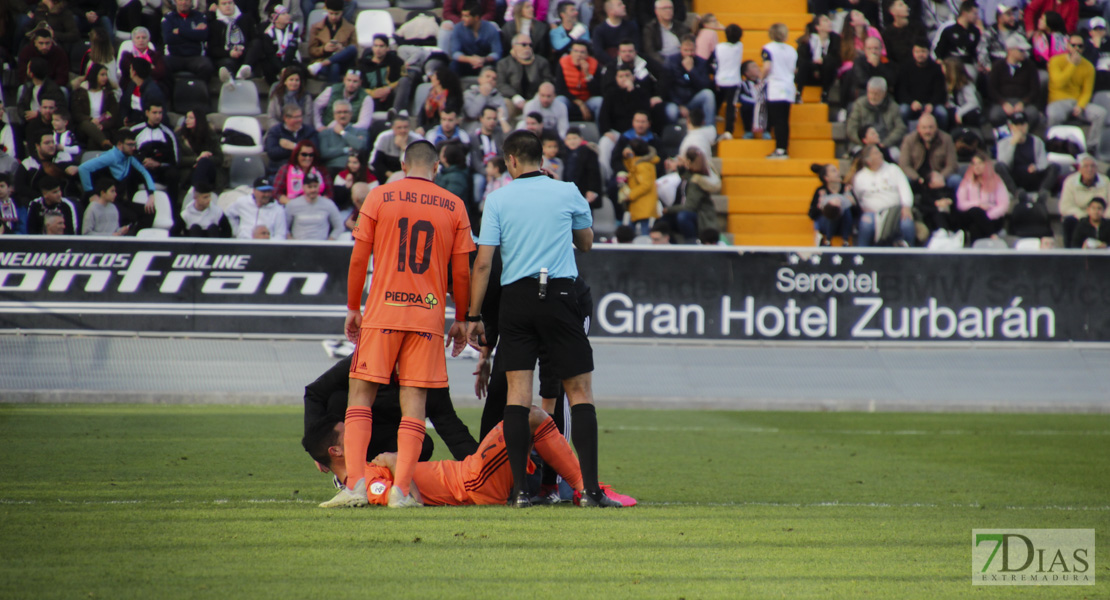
[[1071, 83], [991, 10], [995, 36], [1097, 50], [256, 216], [1013, 84]]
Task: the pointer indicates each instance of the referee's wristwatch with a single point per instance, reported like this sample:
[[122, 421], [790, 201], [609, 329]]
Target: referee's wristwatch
[[473, 318]]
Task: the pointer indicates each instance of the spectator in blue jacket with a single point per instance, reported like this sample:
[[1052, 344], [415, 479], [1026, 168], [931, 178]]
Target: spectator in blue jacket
[[282, 138], [184, 32], [688, 82], [568, 30], [474, 43], [122, 166]]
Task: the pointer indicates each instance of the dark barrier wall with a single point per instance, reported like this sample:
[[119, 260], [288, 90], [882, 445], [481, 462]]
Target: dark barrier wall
[[172, 286], [282, 288], [858, 296]]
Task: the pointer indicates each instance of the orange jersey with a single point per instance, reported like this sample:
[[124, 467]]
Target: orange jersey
[[481, 478], [414, 227]]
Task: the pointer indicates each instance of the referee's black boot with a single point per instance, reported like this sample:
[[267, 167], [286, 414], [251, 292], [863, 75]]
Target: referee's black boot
[[519, 499], [597, 499]]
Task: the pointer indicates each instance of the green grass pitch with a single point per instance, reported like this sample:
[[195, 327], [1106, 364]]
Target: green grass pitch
[[219, 502]]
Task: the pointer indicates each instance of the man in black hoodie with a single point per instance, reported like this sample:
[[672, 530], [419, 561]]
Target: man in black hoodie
[[899, 35], [326, 400], [921, 88], [622, 101]]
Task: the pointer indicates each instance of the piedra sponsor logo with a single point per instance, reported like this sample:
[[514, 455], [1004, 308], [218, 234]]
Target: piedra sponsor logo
[[411, 300]]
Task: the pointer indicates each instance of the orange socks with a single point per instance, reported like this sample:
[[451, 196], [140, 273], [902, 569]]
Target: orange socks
[[356, 439], [556, 452], [410, 440]]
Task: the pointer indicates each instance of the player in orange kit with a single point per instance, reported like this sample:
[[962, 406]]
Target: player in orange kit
[[481, 478], [414, 229]]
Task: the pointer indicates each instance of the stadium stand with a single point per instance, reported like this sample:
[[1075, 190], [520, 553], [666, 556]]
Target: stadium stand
[[759, 201]]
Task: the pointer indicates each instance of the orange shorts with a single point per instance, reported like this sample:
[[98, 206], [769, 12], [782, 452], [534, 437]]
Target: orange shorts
[[417, 357]]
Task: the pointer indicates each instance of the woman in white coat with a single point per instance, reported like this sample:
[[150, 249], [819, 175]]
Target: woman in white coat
[[780, 61]]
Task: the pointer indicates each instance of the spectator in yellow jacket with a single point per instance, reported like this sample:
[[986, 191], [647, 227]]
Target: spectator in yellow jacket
[[643, 201], [1071, 82]]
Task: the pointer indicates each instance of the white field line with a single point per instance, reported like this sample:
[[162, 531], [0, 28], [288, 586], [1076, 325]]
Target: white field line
[[743, 429], [827, 504], [838, 504]]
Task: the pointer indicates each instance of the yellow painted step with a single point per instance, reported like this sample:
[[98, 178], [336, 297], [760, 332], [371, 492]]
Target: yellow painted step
[[756, 167], [768, 224], [749, 6], [790, 240], [815, 149], [770, 187], [770, 205], [763, 22], [798, 131], [811, 120], [809, 112], [811, 93], [810, 131]]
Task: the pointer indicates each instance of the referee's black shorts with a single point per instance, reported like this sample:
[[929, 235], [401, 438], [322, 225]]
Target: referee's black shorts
[[554, 324]]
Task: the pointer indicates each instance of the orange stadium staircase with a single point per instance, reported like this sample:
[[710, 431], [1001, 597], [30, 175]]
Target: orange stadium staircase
[[768, 200]]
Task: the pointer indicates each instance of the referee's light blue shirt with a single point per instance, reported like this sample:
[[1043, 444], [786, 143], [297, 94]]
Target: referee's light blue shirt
[[532, 219]]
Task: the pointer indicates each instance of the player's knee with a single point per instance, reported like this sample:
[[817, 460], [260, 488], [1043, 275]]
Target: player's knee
[[578, 389], [361, 393]]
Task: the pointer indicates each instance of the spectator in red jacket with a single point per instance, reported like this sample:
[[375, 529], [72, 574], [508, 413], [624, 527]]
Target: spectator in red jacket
[[1068, 9], [578, 83]]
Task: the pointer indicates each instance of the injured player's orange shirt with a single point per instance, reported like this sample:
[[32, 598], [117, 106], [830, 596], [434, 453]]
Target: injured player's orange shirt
[[439, 482], [481, 478]]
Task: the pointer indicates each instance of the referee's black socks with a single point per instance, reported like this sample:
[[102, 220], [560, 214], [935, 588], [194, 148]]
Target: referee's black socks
[[583, 431], [518, 438]]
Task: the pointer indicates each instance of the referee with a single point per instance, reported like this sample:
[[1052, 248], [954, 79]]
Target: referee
[[537, 222]]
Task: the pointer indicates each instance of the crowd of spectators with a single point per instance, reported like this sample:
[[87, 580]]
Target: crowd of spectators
[[964, 121], [101, 133], [959, 98]]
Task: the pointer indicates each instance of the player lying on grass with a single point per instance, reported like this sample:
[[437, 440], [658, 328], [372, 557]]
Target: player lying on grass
[[326, 400], [481, 478]]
